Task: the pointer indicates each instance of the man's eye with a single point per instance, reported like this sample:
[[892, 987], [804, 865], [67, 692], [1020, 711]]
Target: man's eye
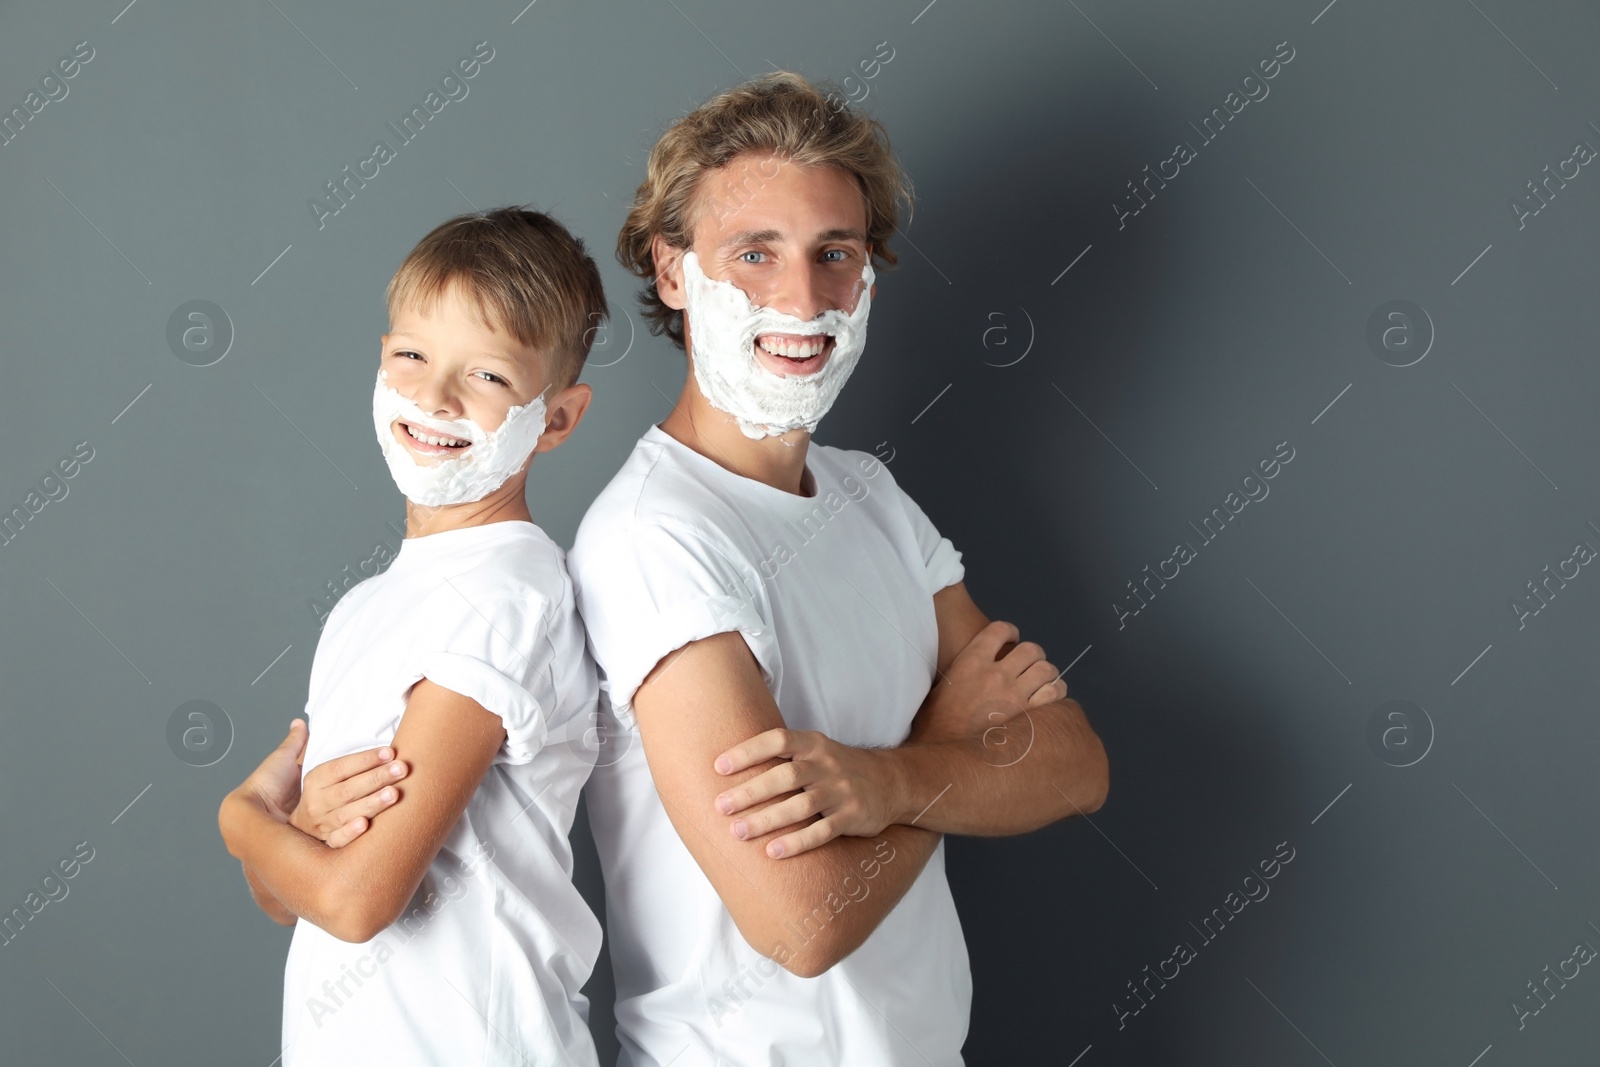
[[742, 256], [842, 253]]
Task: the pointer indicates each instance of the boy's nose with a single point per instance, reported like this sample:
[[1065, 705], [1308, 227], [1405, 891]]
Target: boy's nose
[[436, 400]]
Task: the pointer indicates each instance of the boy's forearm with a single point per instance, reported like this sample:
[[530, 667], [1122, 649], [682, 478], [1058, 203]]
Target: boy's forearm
[[265, 900], [1041, 766], [293, 868]]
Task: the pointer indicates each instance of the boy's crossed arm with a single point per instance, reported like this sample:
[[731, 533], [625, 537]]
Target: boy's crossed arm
[[356, 891]]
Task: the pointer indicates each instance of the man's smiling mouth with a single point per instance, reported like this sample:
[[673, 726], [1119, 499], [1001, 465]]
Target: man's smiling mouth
[[793, 354]]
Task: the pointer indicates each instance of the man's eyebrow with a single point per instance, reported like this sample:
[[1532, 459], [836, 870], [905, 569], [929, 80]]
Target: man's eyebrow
[[765, 236], [751, 237]]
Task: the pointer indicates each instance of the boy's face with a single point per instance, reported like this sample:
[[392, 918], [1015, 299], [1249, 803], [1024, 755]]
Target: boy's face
[[453, 366]]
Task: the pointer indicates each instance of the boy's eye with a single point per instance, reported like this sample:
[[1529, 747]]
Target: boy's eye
[[406, 354], [491, 377]]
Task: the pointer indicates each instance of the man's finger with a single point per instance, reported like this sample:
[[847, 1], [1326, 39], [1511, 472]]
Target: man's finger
[[766, 745], [990, 640], [784, 778], [1048, 693], [797, 809], [818, 833]]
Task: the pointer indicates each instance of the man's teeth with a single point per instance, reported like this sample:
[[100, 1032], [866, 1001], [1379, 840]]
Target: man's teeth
[[794, 348], [431, 439]]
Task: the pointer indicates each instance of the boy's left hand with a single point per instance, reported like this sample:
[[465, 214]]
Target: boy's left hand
[[276, 783]]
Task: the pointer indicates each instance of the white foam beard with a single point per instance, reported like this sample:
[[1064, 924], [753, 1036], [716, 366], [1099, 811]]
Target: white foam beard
[[723, 326], [485, 464]]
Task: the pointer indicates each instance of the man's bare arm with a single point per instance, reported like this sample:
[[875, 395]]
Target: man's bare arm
[[1000, 771], [695, 704]]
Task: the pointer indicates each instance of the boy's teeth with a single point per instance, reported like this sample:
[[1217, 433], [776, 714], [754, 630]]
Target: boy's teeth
[[430, 439]]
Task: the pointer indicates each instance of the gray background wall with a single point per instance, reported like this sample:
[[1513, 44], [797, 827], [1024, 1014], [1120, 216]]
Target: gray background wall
[[1442, 859]]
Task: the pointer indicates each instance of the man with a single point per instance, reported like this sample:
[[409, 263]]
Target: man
[[809, 699]]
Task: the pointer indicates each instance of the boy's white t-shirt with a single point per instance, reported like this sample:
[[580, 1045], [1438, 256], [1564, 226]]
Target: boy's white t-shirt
[[487, 962], [834, 596]]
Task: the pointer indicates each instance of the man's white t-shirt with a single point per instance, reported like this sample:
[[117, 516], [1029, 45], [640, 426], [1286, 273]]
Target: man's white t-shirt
[[833, 593], [487, 962]]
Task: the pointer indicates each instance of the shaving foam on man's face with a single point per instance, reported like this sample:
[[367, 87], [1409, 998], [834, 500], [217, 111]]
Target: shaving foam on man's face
[[782, 387], [451, 461]]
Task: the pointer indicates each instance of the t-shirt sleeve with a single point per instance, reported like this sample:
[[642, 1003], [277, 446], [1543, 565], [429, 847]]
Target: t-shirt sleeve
[[646, 589], [495, 648], [941, 561]]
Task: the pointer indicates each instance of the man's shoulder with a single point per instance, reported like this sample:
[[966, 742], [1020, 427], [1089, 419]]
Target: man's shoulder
[[653, 491]]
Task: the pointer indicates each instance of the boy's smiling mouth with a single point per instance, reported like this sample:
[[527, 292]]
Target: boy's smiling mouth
[[790, 354], [428, 443]]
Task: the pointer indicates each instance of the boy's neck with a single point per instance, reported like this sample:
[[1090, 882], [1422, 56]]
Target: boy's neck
[[507, 504]]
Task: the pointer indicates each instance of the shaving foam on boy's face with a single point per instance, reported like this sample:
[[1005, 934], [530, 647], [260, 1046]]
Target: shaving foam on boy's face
[[759, 388], [464, 462]]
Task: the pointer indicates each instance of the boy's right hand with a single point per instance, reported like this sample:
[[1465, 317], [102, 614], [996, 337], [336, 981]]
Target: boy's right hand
[[340, 797]]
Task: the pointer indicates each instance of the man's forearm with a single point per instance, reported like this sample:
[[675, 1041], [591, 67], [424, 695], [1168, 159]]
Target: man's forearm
[[1030, 771], [812, 925]]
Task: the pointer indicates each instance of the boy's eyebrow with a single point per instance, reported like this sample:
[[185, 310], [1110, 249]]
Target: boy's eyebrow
[[766, 236], [487, 353]]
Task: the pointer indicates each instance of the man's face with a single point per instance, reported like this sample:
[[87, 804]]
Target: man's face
[[453, 366], [791, 236]]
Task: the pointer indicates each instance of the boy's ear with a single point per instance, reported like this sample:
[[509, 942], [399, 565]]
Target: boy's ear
[[563, 412], [669, 272]]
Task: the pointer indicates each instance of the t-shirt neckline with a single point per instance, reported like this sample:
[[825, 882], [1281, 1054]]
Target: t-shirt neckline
[[751, 486], [450, 540]]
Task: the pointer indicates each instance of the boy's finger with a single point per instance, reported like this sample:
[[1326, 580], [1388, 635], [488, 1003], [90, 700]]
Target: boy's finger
[[367, 806], [337, 770], [295, 740], [346, 833], [363, 786]]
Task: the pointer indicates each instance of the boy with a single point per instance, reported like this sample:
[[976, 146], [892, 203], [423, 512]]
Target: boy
[[450, 931]]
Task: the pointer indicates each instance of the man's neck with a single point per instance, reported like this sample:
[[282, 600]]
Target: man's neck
[[776, 461]]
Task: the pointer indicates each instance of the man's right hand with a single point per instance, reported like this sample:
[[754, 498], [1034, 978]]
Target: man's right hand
[[991, 681], [340, 797]]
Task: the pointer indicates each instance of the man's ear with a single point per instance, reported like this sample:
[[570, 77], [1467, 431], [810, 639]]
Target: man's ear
[[669, 272], [563, 412]]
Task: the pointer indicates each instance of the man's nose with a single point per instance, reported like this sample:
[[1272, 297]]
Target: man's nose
[[800, 292]]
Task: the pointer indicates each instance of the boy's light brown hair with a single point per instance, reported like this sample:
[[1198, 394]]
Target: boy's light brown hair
[[527, 274], [782, 113]]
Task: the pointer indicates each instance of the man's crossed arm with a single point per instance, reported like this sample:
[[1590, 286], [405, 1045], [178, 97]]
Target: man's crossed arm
[[997, 749]]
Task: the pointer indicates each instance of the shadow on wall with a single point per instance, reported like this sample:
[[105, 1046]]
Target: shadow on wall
[[1002, 464]]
